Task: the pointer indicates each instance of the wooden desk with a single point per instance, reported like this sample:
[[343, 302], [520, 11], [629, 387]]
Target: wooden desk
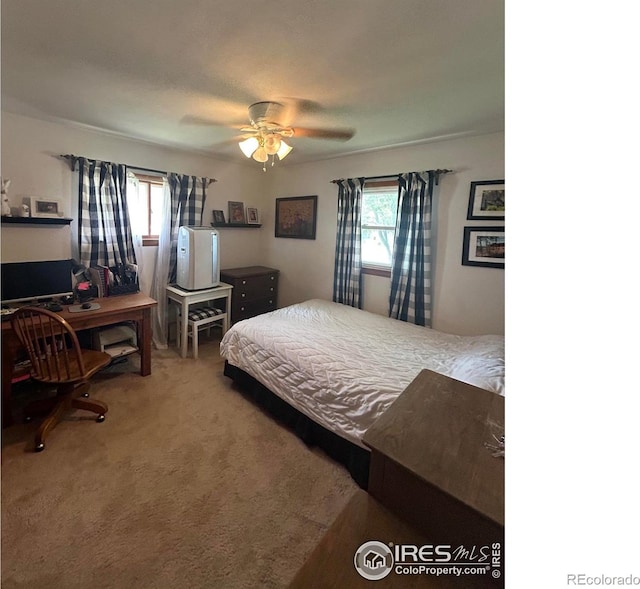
[[134, 307], [186, 298]]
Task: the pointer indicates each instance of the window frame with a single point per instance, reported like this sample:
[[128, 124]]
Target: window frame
[[149, 239], [368, 267]]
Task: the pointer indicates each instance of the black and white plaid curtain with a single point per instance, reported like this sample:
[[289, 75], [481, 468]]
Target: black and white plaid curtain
[[104, 231], [410, 298], [347, 275], [188, 195]]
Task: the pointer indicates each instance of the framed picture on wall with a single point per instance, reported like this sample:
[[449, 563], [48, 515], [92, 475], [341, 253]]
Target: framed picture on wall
[[483, 246], [44, 207], [252, 216], [218, 217], [486, 200], [296, 217], [236, 212]]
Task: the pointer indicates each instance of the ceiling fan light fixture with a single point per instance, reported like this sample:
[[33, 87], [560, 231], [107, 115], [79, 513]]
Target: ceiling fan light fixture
[[260, 155], [272, 144], [249, 146], [284, 150]]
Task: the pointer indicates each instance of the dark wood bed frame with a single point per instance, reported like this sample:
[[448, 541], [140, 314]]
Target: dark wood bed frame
[[353, 457]]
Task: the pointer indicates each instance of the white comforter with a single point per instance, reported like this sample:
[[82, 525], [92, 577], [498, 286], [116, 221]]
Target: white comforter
[[343, 367]]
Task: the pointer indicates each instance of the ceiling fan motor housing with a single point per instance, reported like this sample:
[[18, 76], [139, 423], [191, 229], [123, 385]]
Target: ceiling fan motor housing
[[265, 112]]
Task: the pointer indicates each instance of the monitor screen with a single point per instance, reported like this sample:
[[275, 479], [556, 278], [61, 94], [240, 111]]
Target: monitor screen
[[28, 281]]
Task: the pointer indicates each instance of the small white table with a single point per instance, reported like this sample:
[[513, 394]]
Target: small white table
[[185, 298]]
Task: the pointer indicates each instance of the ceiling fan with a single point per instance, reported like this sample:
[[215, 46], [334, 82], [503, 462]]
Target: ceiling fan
[[267, 130]]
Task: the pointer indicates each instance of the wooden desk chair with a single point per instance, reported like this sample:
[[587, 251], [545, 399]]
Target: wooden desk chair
[[57, 359]]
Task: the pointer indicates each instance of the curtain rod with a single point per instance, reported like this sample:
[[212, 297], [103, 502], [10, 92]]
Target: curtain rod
[[74, 158], [390, 176]]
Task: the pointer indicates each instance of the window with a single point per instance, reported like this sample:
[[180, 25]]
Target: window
[[150, 192], [379, 210]]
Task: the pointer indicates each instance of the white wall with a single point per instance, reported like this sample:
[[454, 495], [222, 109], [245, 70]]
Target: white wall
[[467, 300], [29, 150]]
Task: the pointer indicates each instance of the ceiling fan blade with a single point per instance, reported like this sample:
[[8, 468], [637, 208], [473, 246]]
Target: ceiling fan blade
[[194, 120], [338, 134], [295, 107]]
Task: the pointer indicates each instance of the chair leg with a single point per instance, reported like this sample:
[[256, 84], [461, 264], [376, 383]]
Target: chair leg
[[96, 406], [64, 401], [64, 398]]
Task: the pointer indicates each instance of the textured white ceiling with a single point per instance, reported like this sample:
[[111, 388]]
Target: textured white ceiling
[[396, 72]]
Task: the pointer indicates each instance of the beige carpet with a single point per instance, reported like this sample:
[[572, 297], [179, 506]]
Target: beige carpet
[[186, 484]]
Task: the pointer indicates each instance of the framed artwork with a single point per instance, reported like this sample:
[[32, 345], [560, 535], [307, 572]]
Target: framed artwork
[[486, 200], [296, 217], [236, 212], [252, 216], [218, 217], [483, 246], [44, 207]]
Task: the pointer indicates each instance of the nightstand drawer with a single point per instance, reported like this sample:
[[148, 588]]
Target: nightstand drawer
[[253, 308], [254, 287]]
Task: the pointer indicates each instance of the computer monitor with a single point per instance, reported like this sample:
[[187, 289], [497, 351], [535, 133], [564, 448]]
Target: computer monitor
[[34, 281]]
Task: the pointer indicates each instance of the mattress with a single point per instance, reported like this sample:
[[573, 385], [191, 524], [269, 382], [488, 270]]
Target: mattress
[[343, 367]]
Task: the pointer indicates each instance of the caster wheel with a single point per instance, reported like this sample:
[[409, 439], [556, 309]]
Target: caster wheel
[[100, 418], [39, 447]]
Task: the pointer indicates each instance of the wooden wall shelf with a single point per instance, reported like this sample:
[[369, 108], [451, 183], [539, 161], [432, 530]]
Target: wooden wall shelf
[[36, 220], [235, 225]]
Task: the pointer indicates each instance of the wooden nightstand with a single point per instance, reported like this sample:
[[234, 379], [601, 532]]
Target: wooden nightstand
[[432, 482], [255, 290], [429, 462]]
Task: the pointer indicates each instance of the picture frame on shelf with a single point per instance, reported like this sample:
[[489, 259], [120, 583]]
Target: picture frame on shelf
[[236, 213], [252, 216], [483, 246], [486, 201], [218, 217], [44, 207], [296, 217]]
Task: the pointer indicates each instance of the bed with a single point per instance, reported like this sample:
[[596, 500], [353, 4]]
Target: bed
[[339, 368]]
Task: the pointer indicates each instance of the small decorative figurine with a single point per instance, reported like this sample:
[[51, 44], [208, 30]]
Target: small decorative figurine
[[6, 208], [24, 211]]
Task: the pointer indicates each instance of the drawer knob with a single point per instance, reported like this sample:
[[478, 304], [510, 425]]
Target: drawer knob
[[242, 308], [273, 278], [244, 282], [271, 289], [243, 295]]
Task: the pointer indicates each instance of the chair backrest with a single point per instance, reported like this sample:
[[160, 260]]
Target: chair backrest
[[51, 343]]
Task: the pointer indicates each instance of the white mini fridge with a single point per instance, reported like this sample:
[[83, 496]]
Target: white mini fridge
[[198, 258]]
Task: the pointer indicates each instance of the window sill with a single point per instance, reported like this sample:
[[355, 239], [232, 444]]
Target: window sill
[[150, 241], [376, 271]]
